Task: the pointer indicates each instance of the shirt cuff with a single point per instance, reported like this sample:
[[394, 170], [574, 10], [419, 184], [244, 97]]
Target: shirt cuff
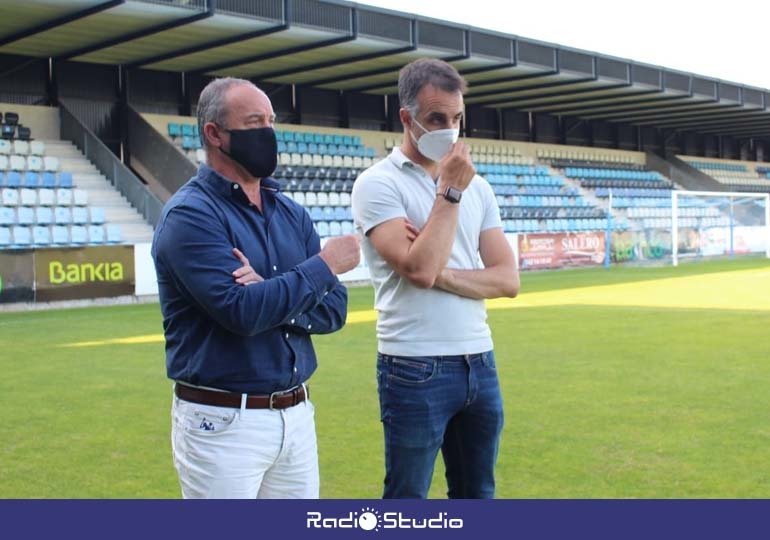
[[320, 276]]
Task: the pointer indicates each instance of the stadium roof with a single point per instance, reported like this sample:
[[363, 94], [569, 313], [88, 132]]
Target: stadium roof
[[340, 45]]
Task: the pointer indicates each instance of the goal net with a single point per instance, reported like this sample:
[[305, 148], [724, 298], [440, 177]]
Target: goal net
[[707, 224]]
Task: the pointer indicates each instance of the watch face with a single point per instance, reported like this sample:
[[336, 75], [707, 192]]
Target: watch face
[[453, 195]]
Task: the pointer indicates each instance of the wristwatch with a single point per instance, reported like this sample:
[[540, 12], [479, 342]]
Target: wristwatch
[[451, 194]]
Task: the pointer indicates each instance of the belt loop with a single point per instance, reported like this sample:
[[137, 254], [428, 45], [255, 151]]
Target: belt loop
[[307, 392], [243, 402]]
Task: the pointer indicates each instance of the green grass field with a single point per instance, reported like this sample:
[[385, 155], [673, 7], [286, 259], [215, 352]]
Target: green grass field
[[629, 382]]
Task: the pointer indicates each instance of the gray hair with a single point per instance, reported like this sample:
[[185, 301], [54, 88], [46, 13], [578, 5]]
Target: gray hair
[[415, 75], [211, 103]]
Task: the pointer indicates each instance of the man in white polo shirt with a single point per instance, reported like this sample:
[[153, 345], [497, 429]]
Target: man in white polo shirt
[[427, 219]]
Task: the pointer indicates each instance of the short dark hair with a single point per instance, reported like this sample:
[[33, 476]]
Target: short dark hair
[[415, 75], [212, 106]]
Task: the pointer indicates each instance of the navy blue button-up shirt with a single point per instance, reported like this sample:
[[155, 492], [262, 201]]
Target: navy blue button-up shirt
[[220, 334]]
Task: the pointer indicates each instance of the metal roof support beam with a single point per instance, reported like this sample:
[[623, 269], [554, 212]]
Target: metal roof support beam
[[208, 45], [275, 54], [627, 106], [517, 89], [568, 107], [379, 86], [722, 117], [140, 33], [673, 110], [334, 62], [722, 126], [358, 75], [721, 113], [514, 78], [329, 80], [746, 132], [218, 42], [59, 21], [534, 99], [352, 35]]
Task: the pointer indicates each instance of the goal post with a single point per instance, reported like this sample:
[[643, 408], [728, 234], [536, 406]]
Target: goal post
[[711, 223]]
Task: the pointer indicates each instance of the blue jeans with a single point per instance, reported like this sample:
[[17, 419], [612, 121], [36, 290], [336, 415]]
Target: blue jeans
[[447, 402]]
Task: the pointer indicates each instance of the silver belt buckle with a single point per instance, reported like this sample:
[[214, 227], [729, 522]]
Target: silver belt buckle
[[270, 401]]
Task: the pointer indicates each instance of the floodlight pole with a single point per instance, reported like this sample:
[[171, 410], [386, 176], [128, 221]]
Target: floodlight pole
[[732, 229], [767, 225], [674, 227], [608, 234]]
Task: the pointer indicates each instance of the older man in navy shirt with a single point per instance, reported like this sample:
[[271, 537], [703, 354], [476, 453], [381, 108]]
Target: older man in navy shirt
[[243, 284]]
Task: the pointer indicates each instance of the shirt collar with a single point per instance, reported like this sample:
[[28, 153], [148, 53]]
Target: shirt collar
[[226, 187], [399, 159]]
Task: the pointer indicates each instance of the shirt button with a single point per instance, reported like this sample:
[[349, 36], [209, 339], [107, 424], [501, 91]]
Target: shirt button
[[292, 321], [275, 268], [309, 326], [295, 370], [235, 186], [287, 335]]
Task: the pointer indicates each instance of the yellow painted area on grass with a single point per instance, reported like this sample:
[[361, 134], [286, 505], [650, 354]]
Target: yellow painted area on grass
[[741, 290], [133, 340], [368, 315]]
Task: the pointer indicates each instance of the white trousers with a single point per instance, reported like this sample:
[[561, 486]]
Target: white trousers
[[224, 453]]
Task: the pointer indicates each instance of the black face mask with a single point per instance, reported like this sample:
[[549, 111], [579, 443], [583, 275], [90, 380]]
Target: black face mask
[[255, 149]]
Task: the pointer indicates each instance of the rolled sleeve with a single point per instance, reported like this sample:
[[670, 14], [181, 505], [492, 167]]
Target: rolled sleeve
[[375, 200]]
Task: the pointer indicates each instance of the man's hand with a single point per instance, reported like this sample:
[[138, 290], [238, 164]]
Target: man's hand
[[456, 168], [245, 275], [341, 253], [412, 232]]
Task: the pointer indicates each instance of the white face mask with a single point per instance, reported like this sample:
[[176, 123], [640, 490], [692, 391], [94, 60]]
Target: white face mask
[[434, 145]]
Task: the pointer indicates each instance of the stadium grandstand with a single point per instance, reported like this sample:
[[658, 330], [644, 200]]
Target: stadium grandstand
[[98, 129]]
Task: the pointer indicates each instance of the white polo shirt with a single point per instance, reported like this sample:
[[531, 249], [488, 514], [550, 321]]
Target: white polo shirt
[[412, 321]]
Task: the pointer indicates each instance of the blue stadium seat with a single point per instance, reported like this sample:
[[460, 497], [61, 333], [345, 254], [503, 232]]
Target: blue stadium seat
[[31, 179], [13, 179], [41, 235], [5, 237], [80, 215], [65, 180], [7, 215], [43, 215], [60, 235], [96, 234], [97, 215], [62, 215], [114, 234], [22, 236], [78, 234], [25, 215], [48, 180], [174, 130]]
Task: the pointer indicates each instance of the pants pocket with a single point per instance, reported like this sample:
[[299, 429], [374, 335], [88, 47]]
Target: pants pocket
[[412, 370], [205, 419]]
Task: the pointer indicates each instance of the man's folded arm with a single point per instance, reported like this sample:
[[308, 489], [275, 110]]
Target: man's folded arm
[[197, 254]]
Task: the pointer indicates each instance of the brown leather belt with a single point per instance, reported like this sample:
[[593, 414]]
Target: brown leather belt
[[276, 400]]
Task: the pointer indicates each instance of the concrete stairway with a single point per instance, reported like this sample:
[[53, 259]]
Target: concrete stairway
[[118, 211]]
